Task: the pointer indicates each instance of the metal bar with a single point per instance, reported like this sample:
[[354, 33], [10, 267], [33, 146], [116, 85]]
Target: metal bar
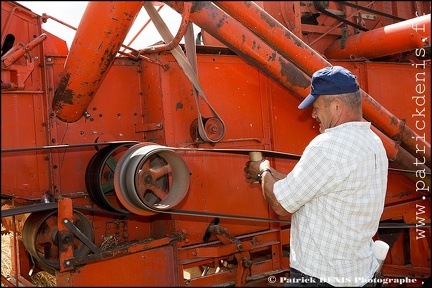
[[176, 40], [119, 252], [19, 50], [320, 8], [64, 236], [61, 146], [372, 10], [142, 28], [81, 236]]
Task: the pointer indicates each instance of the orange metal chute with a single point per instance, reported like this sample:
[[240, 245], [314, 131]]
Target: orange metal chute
[[275, 34], [396, 38], [89, 60]]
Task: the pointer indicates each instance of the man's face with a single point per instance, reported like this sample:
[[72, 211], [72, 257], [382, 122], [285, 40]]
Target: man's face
[[324, 113]]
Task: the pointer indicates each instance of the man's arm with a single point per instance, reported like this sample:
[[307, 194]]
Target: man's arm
[[267, 182]]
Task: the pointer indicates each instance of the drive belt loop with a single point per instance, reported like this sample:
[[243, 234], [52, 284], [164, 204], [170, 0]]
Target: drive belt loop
[[189, 68]]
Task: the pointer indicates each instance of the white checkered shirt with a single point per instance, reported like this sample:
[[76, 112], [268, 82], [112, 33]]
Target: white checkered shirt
[[336, 193]]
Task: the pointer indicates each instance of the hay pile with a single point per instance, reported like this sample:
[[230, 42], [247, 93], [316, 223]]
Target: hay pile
[[6, 265], [44, 279], [40, 279]]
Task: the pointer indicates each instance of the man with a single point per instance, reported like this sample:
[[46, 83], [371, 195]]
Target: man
[[335, 192]]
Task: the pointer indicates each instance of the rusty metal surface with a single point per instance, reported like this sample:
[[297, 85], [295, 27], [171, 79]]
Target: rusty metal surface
[[89, 62], [247, 45], [396, 38]]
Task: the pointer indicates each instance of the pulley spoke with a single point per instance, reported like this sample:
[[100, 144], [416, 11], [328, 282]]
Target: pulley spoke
[[161, 194], [111, 163], [108, 187], [44, 237], [161, 171], [51, 222]]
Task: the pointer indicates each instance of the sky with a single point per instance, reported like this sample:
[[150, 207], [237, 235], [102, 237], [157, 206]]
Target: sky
[[71, 12]]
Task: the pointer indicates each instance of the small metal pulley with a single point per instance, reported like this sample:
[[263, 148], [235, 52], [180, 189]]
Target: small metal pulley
[[213, 129]]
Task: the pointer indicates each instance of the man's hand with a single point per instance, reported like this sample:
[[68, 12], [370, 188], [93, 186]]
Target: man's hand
[[252, 169]]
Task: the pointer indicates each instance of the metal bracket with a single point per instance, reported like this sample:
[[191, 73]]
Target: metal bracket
[[81, 236], [242, 255]]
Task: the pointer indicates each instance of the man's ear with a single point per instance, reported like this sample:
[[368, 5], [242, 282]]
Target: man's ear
[[337, 105]]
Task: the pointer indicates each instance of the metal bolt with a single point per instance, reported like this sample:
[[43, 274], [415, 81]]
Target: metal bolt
[[246, 262], [213, 128]]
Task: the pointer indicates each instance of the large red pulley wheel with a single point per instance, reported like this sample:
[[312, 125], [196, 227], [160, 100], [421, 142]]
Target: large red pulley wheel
[[99, 177], [150, 178], [40, 233]]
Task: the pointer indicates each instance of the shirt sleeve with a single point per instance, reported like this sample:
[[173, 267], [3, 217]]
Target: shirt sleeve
[[311, 177]]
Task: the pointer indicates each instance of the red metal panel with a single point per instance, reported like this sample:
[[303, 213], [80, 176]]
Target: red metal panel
[[23, 116], [402, 83], [148, 268]]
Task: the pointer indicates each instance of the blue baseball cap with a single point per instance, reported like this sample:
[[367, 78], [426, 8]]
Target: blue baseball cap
[[332, 80]]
